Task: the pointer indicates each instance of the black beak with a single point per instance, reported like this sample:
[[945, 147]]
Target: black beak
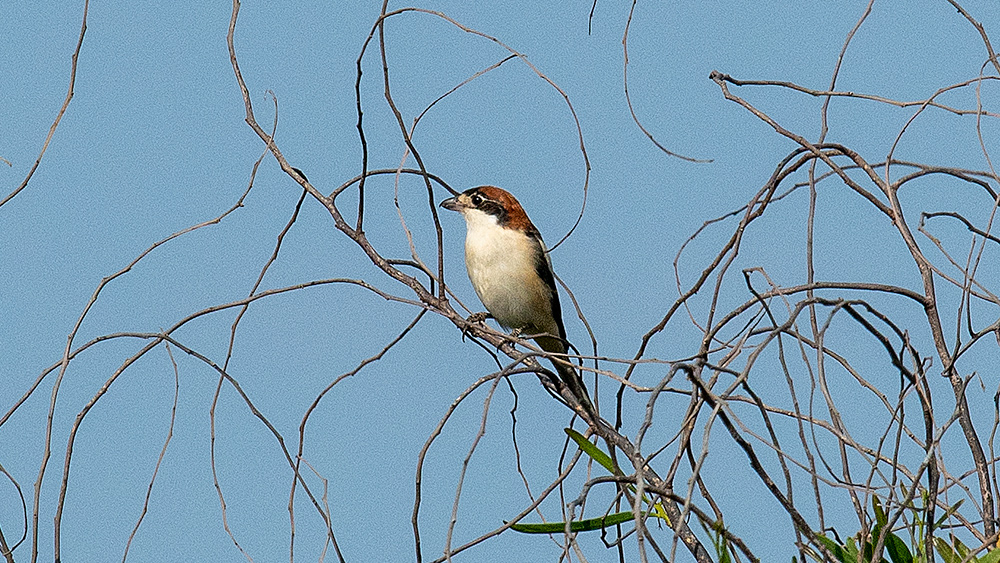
[[451, 204]]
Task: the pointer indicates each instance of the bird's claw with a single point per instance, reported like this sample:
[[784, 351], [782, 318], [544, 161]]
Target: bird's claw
[[478, 317], [474, 318]]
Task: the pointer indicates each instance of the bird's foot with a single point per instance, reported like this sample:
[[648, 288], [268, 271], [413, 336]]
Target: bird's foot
[[475, 318], [479, 317]]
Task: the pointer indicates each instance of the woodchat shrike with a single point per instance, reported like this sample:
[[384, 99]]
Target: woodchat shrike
[[511, 272]]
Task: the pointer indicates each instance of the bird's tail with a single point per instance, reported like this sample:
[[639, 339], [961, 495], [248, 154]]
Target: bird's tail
[[571, 377], [568, 374]]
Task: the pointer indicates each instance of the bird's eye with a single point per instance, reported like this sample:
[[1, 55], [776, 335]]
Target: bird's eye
[[476, 199]]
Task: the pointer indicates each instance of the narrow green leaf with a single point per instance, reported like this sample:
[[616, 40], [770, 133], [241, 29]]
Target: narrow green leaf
[[867, 548], [661, 513], [960, 548], [876, 532], [839, 552], [605, 461], [852, 549], [723, 550], [948, 513], [991, 557], [898, 552], [880, 516], [945, 551], [576, 526], [716, 531], [592, 450]]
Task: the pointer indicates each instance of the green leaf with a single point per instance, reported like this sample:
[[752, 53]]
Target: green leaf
[[722, 548], [991, 557], [605, 461], [716, 531], [946, 552], [576, 526], [948, 513], [880, 516], [868, 549], [898, 552], [961, 548], [852, 549], [661, 513], [839, 552], [592, 450]]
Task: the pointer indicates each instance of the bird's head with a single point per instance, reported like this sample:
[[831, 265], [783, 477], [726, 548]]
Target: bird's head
[[492, 205]]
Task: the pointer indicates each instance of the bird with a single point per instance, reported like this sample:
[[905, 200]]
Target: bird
[[511, 272]]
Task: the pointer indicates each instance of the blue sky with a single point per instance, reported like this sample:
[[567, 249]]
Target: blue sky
[[154, 141]]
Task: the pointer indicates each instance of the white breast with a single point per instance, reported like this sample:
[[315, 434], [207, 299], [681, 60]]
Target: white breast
[[501, 266]]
